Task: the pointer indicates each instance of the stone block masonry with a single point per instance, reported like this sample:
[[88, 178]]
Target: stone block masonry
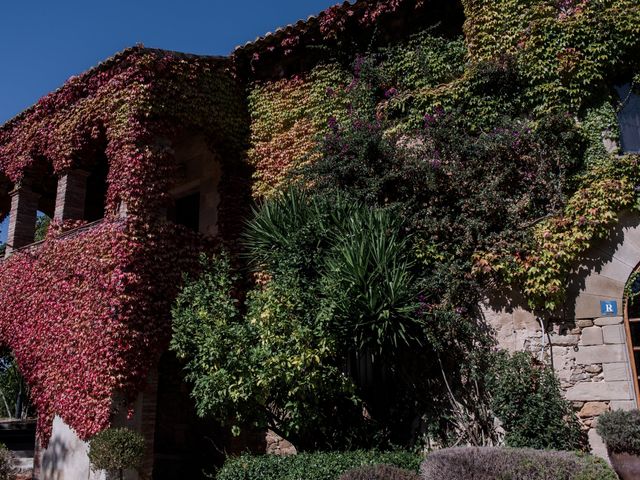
[[596, 373]]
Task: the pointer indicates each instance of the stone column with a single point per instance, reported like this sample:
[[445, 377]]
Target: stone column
[[71, 194], [22, 219]]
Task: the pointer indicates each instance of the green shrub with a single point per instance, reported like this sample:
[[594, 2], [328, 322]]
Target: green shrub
[[311, 466], [621, 431], [116, 450], [6, 464], [379, 472], [513, 464], [527, 398]]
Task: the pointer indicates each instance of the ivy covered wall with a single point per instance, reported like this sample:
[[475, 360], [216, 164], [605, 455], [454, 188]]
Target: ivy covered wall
[[83, 311], [487, 136], [519, 62]]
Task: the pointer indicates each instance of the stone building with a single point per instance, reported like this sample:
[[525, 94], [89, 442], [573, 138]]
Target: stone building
[[69, 156], [594, 347]]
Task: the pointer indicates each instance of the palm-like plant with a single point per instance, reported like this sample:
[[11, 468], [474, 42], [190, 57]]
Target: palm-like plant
[[356, 256], [368, 282]]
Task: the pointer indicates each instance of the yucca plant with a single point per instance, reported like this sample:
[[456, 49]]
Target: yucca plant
[[368, 282], [288, 231], [357, 257]]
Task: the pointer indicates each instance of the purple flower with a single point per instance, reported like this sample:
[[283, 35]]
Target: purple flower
[[390, 93], [429, 120]]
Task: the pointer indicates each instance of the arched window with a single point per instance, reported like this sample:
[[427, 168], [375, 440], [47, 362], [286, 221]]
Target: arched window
[[629, 119], [632, 326]]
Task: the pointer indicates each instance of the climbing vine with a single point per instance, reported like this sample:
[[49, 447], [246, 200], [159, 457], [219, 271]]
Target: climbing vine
[[288, 115], [131, 106], [97, 319], [518, 62], [422, 110]]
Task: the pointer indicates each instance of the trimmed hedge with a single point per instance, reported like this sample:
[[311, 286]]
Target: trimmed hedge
[[620, 430], [312, 466], [380, 472], [513, 464]]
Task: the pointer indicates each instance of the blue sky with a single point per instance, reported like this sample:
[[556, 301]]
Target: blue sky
[[42, 43]]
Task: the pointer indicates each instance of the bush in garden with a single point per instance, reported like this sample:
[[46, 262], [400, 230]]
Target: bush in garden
[[379, 472], [527, 398], [312, 466], [116, 450], [621, 431], [513, 464], [335, 281], [6, 464]]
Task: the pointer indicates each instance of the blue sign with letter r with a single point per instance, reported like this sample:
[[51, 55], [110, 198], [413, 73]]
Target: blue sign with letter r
[[609, 308]]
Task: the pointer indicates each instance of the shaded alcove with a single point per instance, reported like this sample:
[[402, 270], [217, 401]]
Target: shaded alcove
[[96, 189], [184, 444], [195, 195]]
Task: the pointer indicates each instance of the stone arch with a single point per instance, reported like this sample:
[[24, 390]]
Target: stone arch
[[602, 276], [596, 304], [588, 346]]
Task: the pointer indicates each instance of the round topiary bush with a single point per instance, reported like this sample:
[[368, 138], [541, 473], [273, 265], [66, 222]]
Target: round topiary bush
[[620, 430], [116, 450], [379, 472]]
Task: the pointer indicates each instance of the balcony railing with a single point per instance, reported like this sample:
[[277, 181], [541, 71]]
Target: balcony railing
[[69, 233]]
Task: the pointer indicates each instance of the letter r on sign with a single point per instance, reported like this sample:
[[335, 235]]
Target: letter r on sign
[[609, 308]]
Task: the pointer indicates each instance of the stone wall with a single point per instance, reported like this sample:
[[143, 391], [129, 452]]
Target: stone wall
[[66, 456], [589, 351]]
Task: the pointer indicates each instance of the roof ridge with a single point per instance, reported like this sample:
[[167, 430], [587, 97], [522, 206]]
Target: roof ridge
[[298, 25], [101, 66]]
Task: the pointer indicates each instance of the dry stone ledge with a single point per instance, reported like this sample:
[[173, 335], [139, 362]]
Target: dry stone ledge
[[593, 409], [588, 355], [599, 391], [592, 336], [604, 321]]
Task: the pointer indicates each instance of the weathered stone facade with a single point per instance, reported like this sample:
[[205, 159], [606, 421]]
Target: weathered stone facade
[[590, 352]]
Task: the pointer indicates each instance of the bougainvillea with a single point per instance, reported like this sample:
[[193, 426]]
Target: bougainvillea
[[559, 241], [96, 318]]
